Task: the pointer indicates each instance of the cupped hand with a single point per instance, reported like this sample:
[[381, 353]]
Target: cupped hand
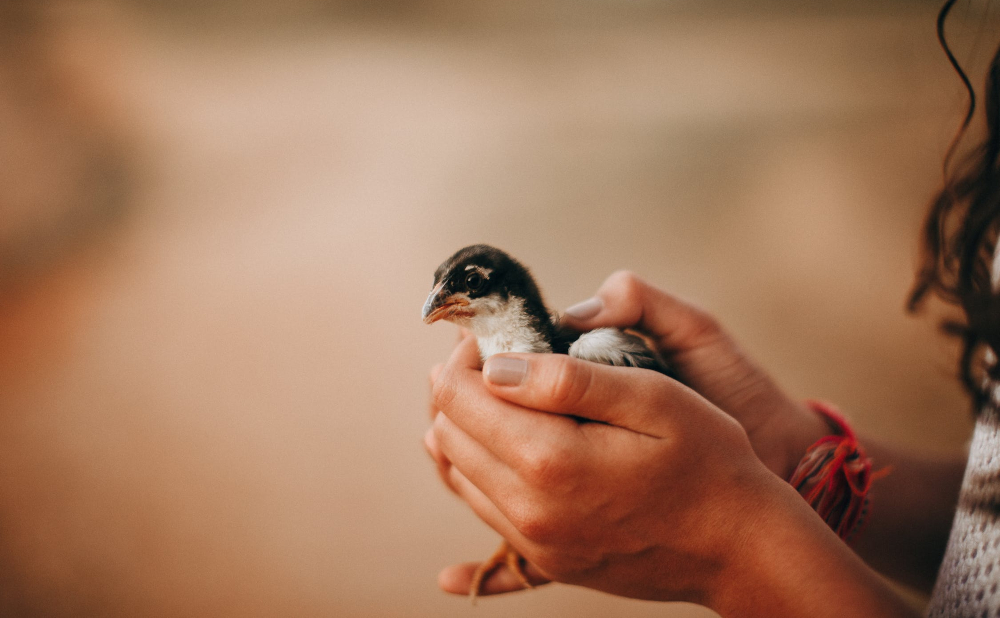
[[618, 479], [709, 361]]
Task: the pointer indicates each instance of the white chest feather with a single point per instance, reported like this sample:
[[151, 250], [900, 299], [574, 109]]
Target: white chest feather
[[505, 327]]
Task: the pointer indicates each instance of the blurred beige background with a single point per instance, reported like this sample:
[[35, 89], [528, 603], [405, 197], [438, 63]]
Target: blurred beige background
[[219, 221]]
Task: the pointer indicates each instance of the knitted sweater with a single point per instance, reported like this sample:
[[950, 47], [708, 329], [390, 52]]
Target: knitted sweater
[[968, 583]]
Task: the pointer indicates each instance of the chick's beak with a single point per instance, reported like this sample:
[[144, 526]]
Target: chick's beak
[[442, 304]]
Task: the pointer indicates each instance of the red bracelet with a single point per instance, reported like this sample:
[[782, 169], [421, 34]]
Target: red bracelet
[[835, 475]]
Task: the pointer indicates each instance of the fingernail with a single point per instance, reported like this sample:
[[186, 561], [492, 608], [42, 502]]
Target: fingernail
[[586, 309], [505, 371]]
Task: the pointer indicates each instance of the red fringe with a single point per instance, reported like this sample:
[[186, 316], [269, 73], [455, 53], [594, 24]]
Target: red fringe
[[835, 475]]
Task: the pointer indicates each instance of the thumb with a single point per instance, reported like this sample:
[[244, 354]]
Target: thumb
[[622, 396], [627, 301]]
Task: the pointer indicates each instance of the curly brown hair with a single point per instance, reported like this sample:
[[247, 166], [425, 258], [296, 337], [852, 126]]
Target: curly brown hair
[[960, 236]]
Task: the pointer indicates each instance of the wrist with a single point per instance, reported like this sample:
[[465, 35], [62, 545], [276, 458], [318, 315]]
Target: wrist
[[751, 525], [787, 562], [791, 431], [804, 427]]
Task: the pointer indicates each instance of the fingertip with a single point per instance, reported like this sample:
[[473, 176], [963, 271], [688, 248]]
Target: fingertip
[[456, 579], [435, 372], [431, 444]]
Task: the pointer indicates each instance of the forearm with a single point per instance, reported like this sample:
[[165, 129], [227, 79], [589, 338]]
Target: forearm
[[791, 565], [910, 514], [910, 511]]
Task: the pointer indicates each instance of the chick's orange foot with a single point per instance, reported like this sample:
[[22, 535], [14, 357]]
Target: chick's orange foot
[[504, 555]]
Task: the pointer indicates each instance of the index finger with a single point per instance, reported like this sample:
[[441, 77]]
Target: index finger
[[502, 427], [465, 354], [463, 357], [628, 301]]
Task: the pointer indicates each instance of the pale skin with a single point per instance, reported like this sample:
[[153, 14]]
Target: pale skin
[[676, 493]]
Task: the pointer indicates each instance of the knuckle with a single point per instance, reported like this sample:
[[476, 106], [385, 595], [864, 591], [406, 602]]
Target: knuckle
[[544, 467], [703, 327], [439, 431], [534, 524], [558, 565], [628, 284], [443, 391], [549, 562], [520, 513], [570, 384], [627, 291]]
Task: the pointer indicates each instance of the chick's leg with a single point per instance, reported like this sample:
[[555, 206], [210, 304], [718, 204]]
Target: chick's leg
[[504, 555]]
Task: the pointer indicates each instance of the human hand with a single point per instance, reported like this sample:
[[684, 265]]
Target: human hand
[[618, 479], [458, 578], [709, 361]]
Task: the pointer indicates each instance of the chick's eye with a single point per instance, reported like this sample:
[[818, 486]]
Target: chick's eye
[[473, 281]]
